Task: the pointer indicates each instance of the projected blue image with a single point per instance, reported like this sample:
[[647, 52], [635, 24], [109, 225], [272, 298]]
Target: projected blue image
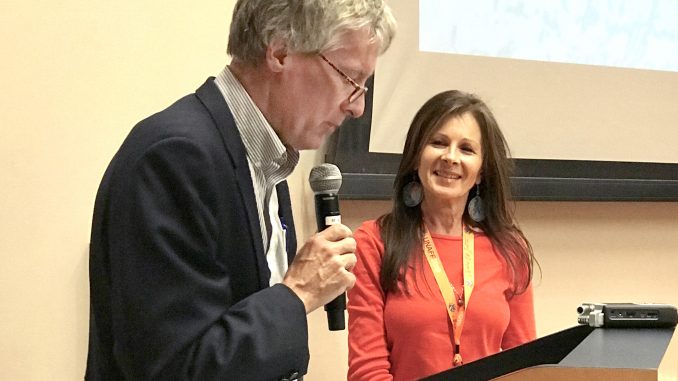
[[640, 34]]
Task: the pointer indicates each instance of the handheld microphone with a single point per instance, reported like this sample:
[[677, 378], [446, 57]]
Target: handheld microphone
[[325, 182]]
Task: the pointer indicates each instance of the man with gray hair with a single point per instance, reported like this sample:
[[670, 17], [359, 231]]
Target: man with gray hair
[[194, 272]]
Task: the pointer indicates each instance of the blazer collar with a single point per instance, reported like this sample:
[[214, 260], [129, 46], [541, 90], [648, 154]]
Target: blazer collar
[[214, 101]]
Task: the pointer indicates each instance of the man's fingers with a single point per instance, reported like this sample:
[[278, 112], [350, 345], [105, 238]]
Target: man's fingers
[[345, 246], [338, 241], [336, 232], [349, 261], [351, 280]]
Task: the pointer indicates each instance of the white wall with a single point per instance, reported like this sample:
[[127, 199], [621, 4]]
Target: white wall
[[77, 75]]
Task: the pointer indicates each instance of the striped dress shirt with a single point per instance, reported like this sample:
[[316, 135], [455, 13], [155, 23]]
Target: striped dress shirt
[[270, 162]]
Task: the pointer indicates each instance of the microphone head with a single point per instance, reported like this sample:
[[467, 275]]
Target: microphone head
[[325, 178]]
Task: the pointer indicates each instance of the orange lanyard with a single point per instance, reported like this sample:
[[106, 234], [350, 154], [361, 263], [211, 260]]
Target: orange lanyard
[[455, 311]]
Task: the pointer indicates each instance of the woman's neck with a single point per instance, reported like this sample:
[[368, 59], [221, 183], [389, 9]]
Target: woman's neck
[[443, 219]]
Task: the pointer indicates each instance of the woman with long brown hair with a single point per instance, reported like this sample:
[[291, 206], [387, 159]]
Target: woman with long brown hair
[[444, 278]]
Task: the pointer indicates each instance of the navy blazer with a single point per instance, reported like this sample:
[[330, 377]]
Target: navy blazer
[[178, 275]]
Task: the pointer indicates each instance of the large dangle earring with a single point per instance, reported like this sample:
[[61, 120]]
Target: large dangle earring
[[476, 208], [413, 192]]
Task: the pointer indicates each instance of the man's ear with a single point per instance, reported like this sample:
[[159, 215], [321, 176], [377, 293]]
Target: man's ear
[[276, 54]]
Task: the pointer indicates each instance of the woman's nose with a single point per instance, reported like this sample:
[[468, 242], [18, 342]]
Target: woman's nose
[[451, 156]]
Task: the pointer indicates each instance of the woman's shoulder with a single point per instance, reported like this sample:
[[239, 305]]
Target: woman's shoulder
[[369, 225], [368, 230], [368, 237]]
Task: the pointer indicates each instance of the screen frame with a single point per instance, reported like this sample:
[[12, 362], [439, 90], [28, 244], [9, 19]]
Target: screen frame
[[369, 175]]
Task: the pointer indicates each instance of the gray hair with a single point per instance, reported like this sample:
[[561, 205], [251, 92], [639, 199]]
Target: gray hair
[[307, 26]]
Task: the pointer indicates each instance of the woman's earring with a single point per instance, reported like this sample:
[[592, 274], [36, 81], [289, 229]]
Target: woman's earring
[[476, 209], [413, 193]]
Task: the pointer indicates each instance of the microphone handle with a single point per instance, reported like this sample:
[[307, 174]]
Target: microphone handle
[[335, 313], [327, 213], [327, 210]]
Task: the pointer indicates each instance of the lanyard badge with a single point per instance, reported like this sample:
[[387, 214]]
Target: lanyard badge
[[456, 306]]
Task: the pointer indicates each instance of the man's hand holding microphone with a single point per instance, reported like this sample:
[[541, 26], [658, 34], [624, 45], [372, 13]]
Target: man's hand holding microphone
[[321, 271]]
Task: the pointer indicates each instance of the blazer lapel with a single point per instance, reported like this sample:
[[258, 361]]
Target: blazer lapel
[[214, 101], [285, 213]]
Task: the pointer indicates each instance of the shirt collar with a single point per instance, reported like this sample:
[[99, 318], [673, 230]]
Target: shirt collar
[[264, 148]]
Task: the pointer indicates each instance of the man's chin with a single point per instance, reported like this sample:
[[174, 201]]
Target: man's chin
[[309, 147], [312, 143]]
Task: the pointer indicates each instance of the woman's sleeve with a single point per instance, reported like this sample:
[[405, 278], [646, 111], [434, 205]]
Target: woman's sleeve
[[368, 354], [521, 328]]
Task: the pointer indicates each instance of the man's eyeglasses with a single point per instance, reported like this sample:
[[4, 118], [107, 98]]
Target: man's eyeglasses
[[358, 90]]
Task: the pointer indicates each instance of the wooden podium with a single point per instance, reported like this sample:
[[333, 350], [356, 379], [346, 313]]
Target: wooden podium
[[581, 353]]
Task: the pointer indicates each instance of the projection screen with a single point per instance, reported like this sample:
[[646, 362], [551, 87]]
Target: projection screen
[[585, 91]]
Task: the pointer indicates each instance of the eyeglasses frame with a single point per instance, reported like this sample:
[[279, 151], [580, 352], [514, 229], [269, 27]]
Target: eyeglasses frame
[[358, 90]]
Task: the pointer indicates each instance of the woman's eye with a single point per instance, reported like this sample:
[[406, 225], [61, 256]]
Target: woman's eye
[[468, 149]]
